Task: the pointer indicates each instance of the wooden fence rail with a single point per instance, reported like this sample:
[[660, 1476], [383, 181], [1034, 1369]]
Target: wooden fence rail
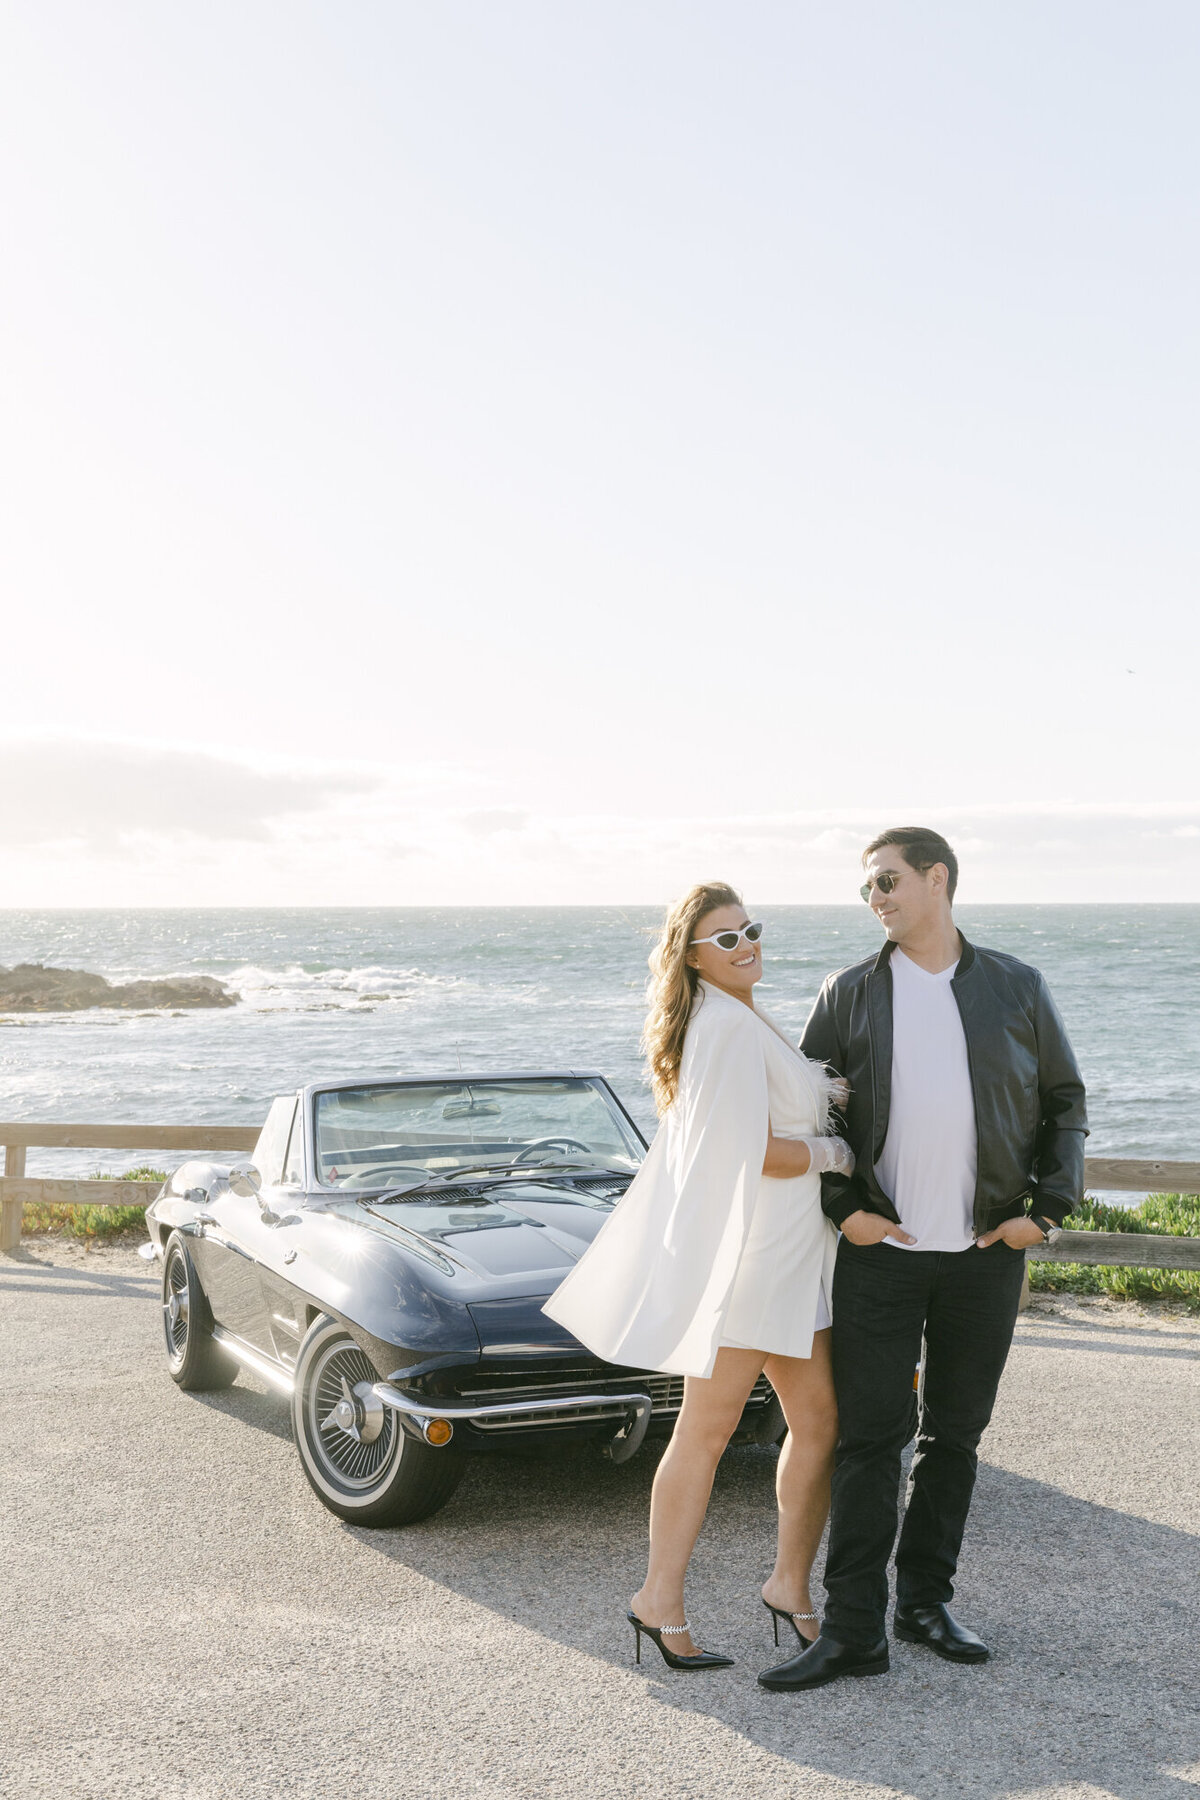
[[1138, 1249]]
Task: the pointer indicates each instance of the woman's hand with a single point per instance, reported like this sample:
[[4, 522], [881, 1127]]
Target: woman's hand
[[802, 1156]]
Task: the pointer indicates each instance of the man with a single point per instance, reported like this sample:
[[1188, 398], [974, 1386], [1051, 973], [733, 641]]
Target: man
[[967, 1121]]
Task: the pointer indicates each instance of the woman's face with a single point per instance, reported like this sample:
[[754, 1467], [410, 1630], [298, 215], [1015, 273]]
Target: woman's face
[[735, 970]]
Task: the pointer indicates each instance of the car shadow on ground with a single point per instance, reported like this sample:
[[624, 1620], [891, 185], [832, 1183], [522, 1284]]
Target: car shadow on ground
[[1089, 1610], [263, 1408]]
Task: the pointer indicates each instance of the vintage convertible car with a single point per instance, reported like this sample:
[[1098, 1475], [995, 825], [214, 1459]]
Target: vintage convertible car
[[384, 1260]]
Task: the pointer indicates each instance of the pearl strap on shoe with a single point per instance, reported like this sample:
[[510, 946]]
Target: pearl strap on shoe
[[804, 1615], [674, 1630]]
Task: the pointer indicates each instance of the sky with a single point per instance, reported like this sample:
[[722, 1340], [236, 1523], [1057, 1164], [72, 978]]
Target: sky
[[527, 451]]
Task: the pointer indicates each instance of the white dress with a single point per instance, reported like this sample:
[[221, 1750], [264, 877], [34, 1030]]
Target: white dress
[[704, 1249]]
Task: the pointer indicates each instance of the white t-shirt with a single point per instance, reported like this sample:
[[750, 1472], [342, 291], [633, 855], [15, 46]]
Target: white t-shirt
[[929, 1158]]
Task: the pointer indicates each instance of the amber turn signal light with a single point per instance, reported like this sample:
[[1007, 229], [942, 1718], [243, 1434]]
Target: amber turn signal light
[[439, 1431]]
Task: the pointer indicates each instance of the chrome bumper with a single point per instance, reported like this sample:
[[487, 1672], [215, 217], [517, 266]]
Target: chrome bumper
[[630, 1412]]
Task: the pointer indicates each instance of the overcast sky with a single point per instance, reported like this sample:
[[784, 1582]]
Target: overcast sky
[[524, 450]]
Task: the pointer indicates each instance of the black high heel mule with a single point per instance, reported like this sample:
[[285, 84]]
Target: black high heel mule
[[704, 1659], [777, 1613]]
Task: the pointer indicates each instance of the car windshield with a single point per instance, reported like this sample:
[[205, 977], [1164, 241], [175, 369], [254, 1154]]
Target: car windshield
[[378, 1136]]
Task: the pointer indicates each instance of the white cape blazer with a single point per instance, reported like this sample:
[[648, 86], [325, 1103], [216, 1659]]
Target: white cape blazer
[[652, 1289]]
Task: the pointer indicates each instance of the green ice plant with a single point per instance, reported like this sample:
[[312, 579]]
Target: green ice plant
[[91, 1222]]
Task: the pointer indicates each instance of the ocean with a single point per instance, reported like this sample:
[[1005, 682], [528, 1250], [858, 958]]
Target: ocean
[[345, 992]]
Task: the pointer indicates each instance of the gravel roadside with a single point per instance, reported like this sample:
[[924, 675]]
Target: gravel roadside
[[182, 1619]]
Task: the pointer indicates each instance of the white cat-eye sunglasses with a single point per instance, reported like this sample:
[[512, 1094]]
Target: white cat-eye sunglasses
[[729, 940]]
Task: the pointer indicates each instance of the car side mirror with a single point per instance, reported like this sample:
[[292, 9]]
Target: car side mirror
[[245, 1182]]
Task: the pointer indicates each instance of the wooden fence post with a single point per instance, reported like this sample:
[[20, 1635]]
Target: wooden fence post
[[10, 1210]]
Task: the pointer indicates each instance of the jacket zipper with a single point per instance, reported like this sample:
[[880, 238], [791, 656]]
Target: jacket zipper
[[877, 1148], [977, 1224]]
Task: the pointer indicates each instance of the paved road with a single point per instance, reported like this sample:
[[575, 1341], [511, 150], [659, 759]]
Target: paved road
[[181, 1619]]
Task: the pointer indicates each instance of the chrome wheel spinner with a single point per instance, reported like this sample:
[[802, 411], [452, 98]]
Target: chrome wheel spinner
[[359, 1413]]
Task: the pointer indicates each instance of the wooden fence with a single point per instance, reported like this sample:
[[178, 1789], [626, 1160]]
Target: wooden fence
[[1130, 1249], [17, 1189], [1138, 1249]]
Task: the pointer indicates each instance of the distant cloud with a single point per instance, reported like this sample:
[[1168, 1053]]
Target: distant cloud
[[486, 824], [110, 823], [101, 794]]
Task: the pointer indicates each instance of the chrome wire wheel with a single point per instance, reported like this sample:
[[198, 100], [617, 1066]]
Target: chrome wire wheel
[[176, 1305], [194, 1361], [351, 1445], [355, 1453], [350, 1429]]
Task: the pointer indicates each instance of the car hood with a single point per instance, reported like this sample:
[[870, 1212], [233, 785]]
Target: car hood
[[527, 1238]]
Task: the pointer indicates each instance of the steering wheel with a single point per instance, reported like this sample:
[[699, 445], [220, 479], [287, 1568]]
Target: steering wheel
[[553, 1143]]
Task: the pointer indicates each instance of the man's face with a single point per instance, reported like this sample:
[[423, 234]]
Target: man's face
[[916, 898]]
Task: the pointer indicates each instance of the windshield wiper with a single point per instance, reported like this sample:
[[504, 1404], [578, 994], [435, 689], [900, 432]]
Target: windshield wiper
[[579, 1168], [431, 1183], [439, 1181], [496, 1175]]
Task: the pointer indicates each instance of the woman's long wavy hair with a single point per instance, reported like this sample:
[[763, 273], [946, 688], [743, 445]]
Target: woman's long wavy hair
[[672, 989]]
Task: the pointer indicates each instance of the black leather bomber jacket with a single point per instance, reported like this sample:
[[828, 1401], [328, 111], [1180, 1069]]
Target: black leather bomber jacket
[[1029, 1100]]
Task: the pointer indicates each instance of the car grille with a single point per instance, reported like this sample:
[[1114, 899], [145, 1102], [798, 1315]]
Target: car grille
[[665, 1391]]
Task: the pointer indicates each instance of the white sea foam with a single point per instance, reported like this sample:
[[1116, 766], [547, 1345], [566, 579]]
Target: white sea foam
[[295, 988]]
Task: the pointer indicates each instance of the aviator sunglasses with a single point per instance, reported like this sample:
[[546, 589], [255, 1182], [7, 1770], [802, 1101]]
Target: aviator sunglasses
[[885, 884], [729, 940]]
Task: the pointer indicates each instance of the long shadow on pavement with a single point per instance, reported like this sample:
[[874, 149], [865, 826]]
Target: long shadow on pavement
[[1090, 1612], [22, 1272], [1182, 1351]]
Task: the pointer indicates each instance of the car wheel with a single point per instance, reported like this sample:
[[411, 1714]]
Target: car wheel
[[193, 1359], [358, 1459]]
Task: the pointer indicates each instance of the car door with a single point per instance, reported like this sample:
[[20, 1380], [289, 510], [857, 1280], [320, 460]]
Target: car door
[[234, 1238], [283, 1303]]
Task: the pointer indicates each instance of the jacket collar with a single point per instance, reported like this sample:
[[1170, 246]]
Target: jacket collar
[[964, 962]]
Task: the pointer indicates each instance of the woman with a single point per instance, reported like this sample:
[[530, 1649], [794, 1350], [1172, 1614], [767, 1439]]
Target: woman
[[718, 1262]]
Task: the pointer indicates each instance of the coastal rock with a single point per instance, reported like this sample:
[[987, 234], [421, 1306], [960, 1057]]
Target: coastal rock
[[30, 987]]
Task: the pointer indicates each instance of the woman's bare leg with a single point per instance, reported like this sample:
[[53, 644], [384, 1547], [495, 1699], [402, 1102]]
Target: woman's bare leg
[[679, 1500], [805, 1389]]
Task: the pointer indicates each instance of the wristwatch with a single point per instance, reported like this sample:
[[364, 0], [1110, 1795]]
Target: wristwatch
[[1050, 1231]]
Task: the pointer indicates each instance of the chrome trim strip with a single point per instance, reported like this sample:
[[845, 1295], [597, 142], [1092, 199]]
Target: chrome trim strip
[[665, 1391], [257, 1360], [423, 1411]]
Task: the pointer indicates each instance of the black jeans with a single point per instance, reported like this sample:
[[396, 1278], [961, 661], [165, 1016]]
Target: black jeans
[[884, 1299]]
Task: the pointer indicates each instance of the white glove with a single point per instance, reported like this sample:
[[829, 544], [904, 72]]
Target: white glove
[[830, 1156]]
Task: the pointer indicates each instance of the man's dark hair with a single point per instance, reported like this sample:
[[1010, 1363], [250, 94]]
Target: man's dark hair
[[921, 848]]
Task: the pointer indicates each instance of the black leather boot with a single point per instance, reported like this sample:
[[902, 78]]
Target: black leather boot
[[825, 1661], [938, 1629]]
